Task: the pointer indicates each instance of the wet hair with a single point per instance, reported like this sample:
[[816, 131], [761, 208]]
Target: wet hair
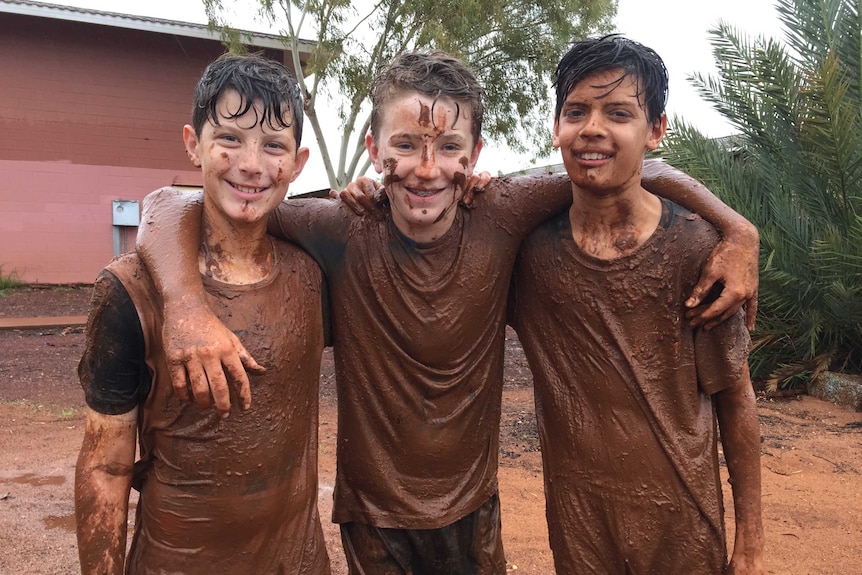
[[434, 73], [255, 78], [611, 52]]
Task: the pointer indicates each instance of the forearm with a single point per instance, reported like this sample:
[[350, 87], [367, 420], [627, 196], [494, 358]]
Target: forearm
[[666, 181], [103, 478], [740, 436], [168, 240]]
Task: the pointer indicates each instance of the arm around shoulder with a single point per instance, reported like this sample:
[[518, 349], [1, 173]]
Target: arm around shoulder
[[734, 261], [103, 479], [198, 346]]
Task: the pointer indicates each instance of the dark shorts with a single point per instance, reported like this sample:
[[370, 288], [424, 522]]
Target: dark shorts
[[470, 546]]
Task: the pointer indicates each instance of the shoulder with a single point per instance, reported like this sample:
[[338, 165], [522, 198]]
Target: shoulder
[[689, 225]]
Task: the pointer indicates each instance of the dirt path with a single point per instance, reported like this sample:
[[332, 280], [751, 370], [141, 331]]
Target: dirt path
[[812, 461]]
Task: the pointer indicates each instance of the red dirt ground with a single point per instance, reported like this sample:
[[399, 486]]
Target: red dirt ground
[[812, 459]]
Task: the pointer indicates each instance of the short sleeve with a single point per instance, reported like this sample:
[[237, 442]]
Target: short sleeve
[[112, 371], [721, 354]]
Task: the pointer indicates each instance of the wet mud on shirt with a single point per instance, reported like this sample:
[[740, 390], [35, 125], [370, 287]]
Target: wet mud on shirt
[[418, 331], [623, 387], [235, 495]]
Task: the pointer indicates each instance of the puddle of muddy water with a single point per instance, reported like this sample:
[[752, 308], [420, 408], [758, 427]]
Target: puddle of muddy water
[[36, 480], [65, 522]]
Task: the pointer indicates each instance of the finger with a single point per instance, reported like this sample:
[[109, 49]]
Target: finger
[[249, 363], [710, 315], [334, 194], [729, 313], [199, 384], [352, 201], [179, 381], [367, 186], [239, 379], [467, 196], [219, 388], [701, 288], [751, 312]]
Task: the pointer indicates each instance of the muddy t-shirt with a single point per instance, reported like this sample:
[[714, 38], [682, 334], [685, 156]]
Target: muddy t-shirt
[[419, 333], [623, 387], [234, 495]]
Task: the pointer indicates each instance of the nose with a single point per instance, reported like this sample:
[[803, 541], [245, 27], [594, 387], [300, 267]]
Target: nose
[[594, 125], [427, 167], [250, 161]]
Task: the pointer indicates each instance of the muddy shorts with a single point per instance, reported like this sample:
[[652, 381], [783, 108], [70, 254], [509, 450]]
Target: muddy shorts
[[470, 546]]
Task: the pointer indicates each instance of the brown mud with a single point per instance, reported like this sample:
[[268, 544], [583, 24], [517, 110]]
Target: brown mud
[[811, 460]]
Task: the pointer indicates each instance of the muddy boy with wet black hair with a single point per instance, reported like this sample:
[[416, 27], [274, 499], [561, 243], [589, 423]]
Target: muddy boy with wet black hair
[[231, 496], [419, 300], [628, 393]]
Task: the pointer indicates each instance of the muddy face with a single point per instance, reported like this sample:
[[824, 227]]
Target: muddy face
[[247, 165], [602, 135], [425, 150]]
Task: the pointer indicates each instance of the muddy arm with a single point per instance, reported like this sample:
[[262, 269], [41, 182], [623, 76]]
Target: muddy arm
[[733, 262], [202, 353], [740, 438], [103, 479]]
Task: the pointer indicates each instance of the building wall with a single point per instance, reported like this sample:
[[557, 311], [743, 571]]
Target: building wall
[[88, 114]]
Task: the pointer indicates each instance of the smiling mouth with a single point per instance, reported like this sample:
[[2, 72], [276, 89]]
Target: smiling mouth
[[248, 190], [593, 156], [424, 193]]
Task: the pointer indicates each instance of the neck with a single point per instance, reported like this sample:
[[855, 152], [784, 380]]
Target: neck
[[608, 224], [427, 233], [235, 254]]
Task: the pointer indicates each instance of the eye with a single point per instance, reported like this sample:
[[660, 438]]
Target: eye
[[573, 113], [621, 114], [228, 138], [276, 146]]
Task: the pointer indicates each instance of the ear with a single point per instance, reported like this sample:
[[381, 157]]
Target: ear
[[474, 157], [556, 133], [659, 127], [373, 153], [190, 139], [298, 163]]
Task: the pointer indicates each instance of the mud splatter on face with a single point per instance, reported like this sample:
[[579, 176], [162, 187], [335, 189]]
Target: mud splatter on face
[[460, 180], [464, 161], [390, 165], [424, 116]]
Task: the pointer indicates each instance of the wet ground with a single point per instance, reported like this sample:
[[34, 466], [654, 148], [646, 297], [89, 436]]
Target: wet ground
[[811, 460]]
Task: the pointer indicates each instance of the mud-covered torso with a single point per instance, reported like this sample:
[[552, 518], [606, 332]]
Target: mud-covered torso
[[418, 331], [235, 495], [622, 381]]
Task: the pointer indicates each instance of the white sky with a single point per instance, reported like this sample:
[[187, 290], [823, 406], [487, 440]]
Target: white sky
[[676, 29]]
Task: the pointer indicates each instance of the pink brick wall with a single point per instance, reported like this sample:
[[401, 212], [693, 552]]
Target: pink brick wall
[[88, 114], [56, 217]]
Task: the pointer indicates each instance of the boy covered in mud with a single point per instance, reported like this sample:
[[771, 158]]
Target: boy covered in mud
[[627, 391], [419, 302], [235, 495]]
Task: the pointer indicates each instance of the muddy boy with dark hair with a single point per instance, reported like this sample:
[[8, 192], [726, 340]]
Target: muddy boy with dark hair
[[628, 393], [235, 495], [419, 300]]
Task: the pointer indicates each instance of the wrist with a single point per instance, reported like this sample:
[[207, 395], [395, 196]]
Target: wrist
[[739, 230], [186, 303]]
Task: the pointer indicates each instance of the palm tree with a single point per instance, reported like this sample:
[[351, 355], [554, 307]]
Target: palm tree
[[795, 171]]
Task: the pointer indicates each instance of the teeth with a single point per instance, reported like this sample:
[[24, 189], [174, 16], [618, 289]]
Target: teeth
[[424, 193], [593, 156], [246, 190]]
